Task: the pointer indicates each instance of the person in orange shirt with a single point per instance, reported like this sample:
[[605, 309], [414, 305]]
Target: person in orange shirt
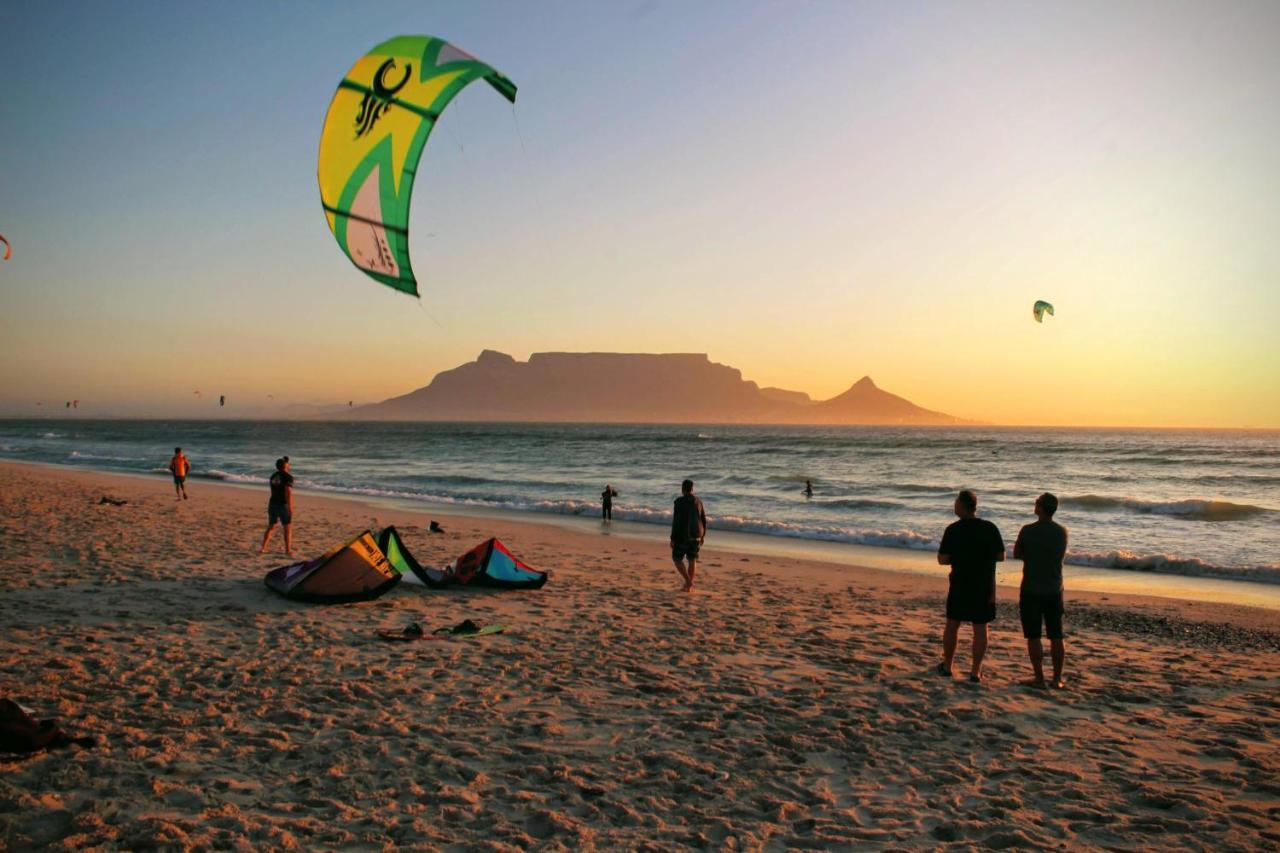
[[179, 467]]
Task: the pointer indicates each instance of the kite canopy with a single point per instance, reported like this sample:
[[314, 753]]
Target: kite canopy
[[1040, 309], [8, 250], [487, 564], [374, 133], [355, 571]]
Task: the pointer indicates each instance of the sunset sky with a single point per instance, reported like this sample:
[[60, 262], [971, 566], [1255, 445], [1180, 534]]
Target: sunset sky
[[807, 191]]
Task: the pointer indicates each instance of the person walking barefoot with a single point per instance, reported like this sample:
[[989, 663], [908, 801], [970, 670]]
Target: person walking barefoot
[[280, 506], [179, 467], [688, 530]]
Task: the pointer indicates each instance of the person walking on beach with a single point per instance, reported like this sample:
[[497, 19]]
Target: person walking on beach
[[688, 530], [280, 506], [606, 502], [1041, 547], [971, 547], [179, 467], [808, 488]]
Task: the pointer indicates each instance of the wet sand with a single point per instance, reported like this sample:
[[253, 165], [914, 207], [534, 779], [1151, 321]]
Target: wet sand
[[784, 704]]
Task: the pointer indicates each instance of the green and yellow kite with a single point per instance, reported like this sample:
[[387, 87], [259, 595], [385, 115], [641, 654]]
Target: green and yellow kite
[[374, 133]]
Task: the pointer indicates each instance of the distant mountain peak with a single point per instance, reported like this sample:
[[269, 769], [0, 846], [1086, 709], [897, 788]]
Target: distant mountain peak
[[866, 383]]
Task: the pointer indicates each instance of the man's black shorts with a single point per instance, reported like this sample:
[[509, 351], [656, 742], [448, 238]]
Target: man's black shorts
[[1036, 609], [178, 481], [685, 549], [971, 602], [279, 512]]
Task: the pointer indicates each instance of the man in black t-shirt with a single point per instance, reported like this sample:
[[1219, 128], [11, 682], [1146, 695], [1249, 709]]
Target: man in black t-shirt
[[280, 506], [688, 529], [971, 547]]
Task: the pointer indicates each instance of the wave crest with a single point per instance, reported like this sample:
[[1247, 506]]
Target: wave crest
[[1193, 508]]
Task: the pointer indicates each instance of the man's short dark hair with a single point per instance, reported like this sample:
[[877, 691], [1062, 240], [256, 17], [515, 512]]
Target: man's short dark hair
[[177, 450], [687, 486], [1049, 503], [279, 464], [969, 499]]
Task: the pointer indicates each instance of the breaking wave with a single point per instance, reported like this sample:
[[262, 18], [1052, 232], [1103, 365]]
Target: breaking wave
[[1173, 565], [1198, 509]]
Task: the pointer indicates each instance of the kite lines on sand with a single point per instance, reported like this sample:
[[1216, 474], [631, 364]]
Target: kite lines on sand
[[373, 137], [1040, 309]]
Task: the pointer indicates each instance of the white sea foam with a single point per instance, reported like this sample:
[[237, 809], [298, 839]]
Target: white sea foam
[[215, 474]]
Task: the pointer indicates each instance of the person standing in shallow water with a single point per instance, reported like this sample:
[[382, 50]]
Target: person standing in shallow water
[[280, 506], [971, 547], [606, 502], [1042, 547], [688, 530]]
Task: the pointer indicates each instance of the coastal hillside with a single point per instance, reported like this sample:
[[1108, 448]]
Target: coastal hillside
[[631, 388]]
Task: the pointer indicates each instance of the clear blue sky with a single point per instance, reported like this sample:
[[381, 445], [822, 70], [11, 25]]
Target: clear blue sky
[[807, 191]]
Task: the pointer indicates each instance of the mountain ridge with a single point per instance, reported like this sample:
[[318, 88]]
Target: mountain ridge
[[563, 387]]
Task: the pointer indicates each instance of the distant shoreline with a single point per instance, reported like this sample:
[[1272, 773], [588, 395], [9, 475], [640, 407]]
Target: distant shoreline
[[837, 556]]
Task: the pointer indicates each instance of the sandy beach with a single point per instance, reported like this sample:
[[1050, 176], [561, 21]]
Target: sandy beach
[[784, 704]]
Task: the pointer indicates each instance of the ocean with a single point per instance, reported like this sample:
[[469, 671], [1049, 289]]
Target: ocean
[[1200, 503]]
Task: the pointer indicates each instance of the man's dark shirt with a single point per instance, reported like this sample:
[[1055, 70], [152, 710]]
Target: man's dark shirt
[[973, 543], [689, 520], [1042, 546], [281, 488]]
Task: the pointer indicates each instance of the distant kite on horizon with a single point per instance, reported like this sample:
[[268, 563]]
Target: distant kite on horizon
[[8, 250], [1040, 309], [222, 400]]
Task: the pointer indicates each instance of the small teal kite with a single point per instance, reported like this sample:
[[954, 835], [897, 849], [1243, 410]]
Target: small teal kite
[[1040, 309]]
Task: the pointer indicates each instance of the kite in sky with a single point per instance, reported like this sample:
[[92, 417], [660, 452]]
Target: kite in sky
[[1040, 309], [8, 250], [373, 136], [222, 400]]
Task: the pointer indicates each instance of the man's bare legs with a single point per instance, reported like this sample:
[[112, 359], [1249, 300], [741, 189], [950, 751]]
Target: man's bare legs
[[1035, 651], [1058, 652], [979, 650], [288, 538], [684, 573], [266, 537], [951, 637], [693, 570]]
